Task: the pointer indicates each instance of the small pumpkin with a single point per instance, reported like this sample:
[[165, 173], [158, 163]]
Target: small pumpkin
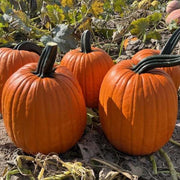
[[43, 108], [138, 105], [173, 16], [128, 41], [174, 71], [172, 5], [12, 59], [89, 65]]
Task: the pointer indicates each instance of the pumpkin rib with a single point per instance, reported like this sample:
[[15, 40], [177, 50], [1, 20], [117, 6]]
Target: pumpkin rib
[[156, 126], [113, 95], [167, 111]]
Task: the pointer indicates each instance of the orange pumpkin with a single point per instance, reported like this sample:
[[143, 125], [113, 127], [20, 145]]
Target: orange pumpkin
[[12, 59], [89, 65], [172, 5], [173, 16], [174, 72], [138, 105], [43, 108]]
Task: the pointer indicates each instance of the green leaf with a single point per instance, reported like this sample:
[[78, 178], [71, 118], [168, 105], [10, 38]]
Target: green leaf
[[119, 5], [6, 6], [154, 18], [63, 36], [153, 35], [55, 13], [139, 26]]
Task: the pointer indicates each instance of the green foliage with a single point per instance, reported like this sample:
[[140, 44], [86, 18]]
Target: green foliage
[[119, 5], [145, 28], [18, 19], [55, 13]]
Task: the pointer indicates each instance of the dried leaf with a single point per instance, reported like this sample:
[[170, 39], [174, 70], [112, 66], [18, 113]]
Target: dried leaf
[[108, 174]]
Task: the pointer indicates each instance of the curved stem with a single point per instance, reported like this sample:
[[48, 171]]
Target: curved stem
[[171, 43], [46, 61], [155, 61], [86, 42], [28, 46]]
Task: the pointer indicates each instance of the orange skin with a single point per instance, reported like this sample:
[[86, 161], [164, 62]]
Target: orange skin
[[137, 111], [11, 60], [89, 69], [43, 114], [174, 71]]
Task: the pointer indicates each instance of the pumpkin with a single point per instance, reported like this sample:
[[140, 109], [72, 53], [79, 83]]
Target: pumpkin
[[174, 71], [172, 5], [174, 16], [12, 59], [43, 108], [128, 41], [138, 105], [89, 65]]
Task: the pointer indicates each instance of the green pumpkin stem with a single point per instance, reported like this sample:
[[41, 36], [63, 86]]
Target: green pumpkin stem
[[86, 42], [28, 46], [46, 61], [171, 43], [156, 61]]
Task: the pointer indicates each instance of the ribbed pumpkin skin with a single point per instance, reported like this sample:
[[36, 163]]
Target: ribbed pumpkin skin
[[172, 5], [11, 60], [145, 53], [174, 71], [43, 114], [89, 69], [173, 16], [137, 111]]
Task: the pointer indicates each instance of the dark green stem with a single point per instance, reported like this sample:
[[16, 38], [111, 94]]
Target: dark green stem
[[171, 43], [86, 42], [28, 46], [156, 61], [46, 61]]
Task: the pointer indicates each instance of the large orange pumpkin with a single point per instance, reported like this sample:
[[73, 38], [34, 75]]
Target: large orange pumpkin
[[89, 65], [12, 59], [174, 72], [138, 105], [43, 108]]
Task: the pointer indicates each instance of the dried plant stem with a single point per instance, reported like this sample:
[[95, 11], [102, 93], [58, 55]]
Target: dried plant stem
[[117, 168], [170, 164], [153, 163], [174, 142]]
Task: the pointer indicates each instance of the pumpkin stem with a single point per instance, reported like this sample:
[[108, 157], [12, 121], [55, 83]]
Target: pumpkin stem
[[46, 61], [86, 42], [28, 46], [156, 61], [171, 43]]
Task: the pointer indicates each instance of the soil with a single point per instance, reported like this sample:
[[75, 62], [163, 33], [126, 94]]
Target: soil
[[95, 152]]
